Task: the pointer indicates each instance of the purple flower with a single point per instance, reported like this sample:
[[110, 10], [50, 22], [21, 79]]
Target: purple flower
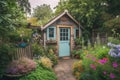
[[114, 64], [104, 72], [112, 75]]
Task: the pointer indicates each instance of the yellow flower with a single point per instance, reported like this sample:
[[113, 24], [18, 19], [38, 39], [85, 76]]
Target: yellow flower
[[46, 62]]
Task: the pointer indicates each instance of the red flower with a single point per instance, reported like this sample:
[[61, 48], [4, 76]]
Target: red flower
[[93, 66]]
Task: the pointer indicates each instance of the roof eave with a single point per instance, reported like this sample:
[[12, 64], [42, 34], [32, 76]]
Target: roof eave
[[65, 12]]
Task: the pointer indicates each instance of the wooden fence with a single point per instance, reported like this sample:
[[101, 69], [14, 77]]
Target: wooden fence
[[23, 52], [103, 37]]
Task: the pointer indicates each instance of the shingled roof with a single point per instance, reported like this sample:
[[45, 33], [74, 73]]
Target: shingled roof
[[58, 17]]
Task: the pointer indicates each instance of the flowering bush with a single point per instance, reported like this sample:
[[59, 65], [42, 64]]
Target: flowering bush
[[115, 50], [106, 67], [77, 69], [21, 66], [46, 62]]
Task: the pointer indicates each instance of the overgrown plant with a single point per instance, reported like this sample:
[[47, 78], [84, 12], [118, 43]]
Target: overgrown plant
[[5, 57], [21, 66], [40, 73]]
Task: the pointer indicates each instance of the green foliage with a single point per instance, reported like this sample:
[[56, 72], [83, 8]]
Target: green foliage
[[40, 74], [38, 50], [101, 52], [19, 35], [77, 53], [78, 41], [113, 40], [24, 5], [43, 13], [5, 57], [52, 57], [10, 17]]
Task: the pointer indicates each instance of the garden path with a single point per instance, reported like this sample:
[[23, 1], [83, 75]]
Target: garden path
[[64, 69]]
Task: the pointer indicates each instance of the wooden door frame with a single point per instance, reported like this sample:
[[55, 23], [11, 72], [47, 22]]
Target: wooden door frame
[[71, 36]]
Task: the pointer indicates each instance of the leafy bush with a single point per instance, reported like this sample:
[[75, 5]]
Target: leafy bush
[[5, 57], [114, 40], [77, 69], [49, 52], [46, 62], [38, 50], [21, 66], [52, 57], [77, 53], [40, 73], [78, 41]]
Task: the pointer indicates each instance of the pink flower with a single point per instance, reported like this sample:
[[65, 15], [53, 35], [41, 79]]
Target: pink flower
[[115, 65], [104, 72], [103, 61], [112, 75], [94, 59], [93, 66]]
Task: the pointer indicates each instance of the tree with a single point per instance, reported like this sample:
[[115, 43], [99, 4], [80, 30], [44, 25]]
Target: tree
[[25, 5], [43, 13], [10, 17]]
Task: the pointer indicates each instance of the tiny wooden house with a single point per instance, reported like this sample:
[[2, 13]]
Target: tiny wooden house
[[61, 31]]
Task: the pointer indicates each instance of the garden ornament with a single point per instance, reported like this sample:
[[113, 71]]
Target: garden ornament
[[115, 50]]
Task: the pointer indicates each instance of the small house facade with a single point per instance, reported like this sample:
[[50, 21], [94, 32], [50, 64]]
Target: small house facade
[[61, 32]]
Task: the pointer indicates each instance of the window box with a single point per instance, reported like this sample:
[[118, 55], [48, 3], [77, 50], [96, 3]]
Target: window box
[[51, 41]]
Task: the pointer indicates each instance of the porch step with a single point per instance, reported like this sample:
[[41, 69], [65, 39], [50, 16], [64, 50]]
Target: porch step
[[67, 57]]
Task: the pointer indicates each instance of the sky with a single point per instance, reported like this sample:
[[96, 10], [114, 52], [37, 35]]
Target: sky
[[52, 3]]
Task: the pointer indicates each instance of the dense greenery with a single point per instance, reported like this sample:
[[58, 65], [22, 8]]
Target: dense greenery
[[40, 51], [5, 57], [11, 17], [40, 74], [43, 13]]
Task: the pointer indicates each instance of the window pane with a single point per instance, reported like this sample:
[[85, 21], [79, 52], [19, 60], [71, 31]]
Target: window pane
[[51, 32], [77, 33]]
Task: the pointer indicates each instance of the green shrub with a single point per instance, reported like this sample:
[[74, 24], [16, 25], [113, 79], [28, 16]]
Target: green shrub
[[40, 74], [52, 57], [5, 57], [113, 40], [38, 50]]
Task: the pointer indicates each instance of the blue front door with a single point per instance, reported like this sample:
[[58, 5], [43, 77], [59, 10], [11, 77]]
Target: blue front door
[[64, 42]]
